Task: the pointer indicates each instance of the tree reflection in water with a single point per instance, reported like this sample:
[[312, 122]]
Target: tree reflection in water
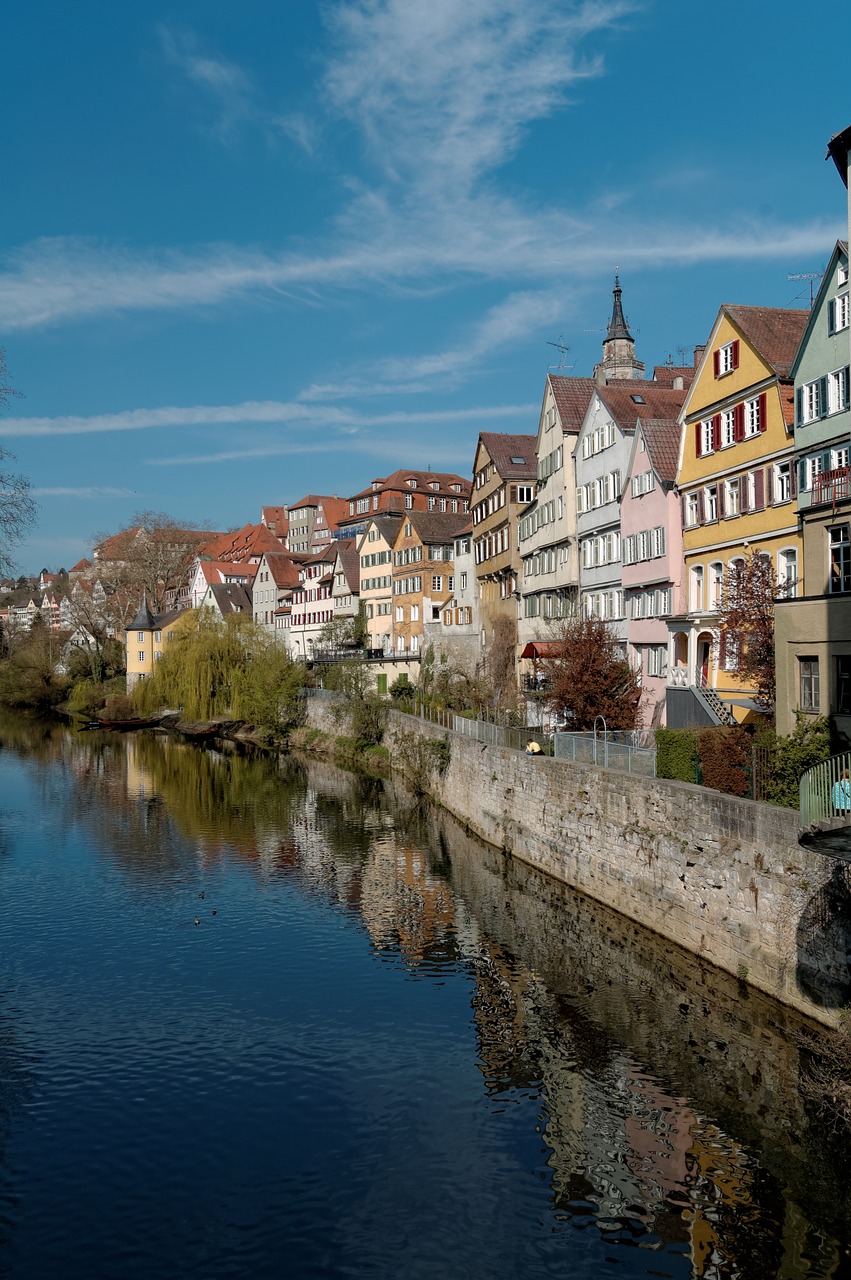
[[666, 1095]]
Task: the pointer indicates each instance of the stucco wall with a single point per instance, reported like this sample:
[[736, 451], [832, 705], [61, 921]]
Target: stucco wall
[[723, 877]]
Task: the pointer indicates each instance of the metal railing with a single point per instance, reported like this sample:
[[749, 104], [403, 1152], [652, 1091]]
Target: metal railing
[[825, 791], [830, 486], [609, 749]]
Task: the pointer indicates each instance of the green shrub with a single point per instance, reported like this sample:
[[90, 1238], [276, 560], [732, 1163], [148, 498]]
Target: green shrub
[[676, 754], [790, 757]]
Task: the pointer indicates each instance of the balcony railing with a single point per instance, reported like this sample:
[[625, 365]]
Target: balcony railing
[[831, 487], [825, 791]]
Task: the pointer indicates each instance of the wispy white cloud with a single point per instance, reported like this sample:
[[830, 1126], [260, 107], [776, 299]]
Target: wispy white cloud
[[272, 412], [442, 94], [81, 491]]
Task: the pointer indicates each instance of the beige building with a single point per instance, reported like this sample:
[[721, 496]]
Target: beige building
[[504, 483], [423, 575], [145, 640], [375, 552]]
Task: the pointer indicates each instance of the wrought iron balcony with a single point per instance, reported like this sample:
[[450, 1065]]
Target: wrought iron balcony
[[831, 487]]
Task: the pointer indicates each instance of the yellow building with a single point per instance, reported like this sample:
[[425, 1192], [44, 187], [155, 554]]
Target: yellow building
[[144, 641], [375, 551], [736, 478]]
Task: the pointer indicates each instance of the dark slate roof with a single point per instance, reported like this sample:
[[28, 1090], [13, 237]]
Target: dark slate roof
[[837, 151], [435, 527], [774, 333], [662, 437], [144, 620], [504, 448], [231, 598], [652, 402]]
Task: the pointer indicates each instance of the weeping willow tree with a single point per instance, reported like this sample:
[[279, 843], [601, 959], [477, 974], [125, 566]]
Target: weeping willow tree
[[217, 667]]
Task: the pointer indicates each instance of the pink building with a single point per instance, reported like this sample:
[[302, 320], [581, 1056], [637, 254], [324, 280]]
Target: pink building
[[653, 566]]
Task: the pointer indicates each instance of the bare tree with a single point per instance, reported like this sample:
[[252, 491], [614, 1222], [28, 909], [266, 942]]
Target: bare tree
[[17, 508], [153, 553], [590, 677]]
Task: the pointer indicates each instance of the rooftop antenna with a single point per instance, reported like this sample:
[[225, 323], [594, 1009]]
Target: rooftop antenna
[[683, 352], [807, 275], [560, 345]]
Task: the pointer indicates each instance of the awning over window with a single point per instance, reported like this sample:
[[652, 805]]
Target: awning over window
[[542, 649]]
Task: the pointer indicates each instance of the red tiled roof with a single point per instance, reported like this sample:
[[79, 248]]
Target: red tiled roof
[[572, 397], [646, 400], [774, 332], [424, 479], [250, 540], [662, 437], [347, 554], [513, 455], [276, 519], [283, 569], [664, 374]]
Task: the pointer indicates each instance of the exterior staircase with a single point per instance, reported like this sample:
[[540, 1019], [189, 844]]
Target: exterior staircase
[[718, 711]]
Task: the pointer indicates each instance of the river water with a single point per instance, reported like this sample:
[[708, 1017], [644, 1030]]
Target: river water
[[266, 1018]]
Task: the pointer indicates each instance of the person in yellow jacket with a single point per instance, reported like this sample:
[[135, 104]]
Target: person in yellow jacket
[[533, 748]]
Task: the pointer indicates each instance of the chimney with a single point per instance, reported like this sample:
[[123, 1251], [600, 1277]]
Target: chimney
[[698, 353]]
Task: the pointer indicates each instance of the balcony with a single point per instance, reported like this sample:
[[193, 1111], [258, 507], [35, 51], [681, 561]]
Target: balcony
[[831, 487]]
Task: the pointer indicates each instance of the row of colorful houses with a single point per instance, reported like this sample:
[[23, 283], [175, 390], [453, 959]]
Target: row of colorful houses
[[634, 500]]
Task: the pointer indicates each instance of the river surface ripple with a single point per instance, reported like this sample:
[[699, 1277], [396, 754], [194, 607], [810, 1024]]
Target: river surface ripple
[[261, 1018]]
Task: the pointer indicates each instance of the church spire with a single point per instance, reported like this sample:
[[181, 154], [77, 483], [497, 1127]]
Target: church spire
[[618, 327], [618, 360]]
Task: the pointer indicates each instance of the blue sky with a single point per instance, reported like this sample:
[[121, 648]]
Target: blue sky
[[250, 251]]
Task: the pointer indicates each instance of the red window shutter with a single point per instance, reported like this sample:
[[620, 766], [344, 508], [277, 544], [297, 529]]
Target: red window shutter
[[716, 431], [716, 363], [698, 441], [735, 352], [739, 422], [701, 508], [759, 490], [720, 499], [769, 486], [763, 412]]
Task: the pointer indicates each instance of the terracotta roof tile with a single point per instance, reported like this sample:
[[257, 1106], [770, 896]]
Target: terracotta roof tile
[[435, 527], [627, 403], [513, 455], [774, 332], [662, 437]]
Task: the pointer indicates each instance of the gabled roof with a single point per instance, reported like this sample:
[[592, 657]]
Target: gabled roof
[[436, 527], [349, 561], [250, 540], [572, 397], [774, 333], [513, 455], [664, 375], [662, 438], [230, 597], [276, 519], [81, 566], [839, 251], [398, 481], [314, 500], [628, 403], [283, 569]]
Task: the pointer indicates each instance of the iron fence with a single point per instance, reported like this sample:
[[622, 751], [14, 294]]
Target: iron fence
[[825, 791], [610, 749]]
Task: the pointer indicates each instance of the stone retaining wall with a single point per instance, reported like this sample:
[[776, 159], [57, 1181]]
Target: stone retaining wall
[[725, 878]]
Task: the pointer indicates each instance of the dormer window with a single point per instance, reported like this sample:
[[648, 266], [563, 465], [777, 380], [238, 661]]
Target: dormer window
[[412, 484], [434, 484], [456, 488], [726, 358]]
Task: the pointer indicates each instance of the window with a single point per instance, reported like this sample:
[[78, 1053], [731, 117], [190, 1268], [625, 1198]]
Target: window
[[728, 418], [808, 684], [842, 273], [643, 483], [707, 436], [782, 482], [437, 583], [696, 589], [409, 501], [692, 511], [812, 469], [415, 613], [463, 581], [837, 313], [710, 500], [726, 358], [843, 684], [787, 571], [657, 660], [400, 613], [141, 655], [716, 584], [754, 411], [840, 559], [140, 637], [731, 497], [811, 401], [837, 390], [525, 493]]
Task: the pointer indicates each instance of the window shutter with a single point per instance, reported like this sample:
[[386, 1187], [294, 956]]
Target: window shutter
[[759, 490], [735, 352], [684, 513], [822, 398], [722, 650], [743, 494], [831, 319], [720, 499], [716, 431], [701, 514], [769, 486], [716, 363], [793, 479], [799, 406], [739, 422], [697, 439], [763, 412]]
